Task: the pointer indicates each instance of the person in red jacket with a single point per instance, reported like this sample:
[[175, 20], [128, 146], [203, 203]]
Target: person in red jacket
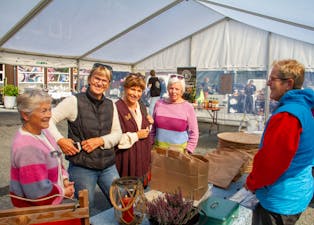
[[282, 168]]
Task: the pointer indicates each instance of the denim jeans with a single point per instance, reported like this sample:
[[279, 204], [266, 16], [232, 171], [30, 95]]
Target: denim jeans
[[152, 103], [85, 178]]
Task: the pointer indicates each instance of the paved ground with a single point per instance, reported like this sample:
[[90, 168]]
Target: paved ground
[[9, 123]]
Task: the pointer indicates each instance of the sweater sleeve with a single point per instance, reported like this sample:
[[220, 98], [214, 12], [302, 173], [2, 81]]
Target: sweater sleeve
[[66, 109], [281, 141], [29, 171], [113, 138], [127, 140], [193, 131]]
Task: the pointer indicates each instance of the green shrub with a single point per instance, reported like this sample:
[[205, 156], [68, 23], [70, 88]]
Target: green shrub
[[10, 90]]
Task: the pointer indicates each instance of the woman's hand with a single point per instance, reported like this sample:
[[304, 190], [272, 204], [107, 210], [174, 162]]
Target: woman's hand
[[91, 144], [143, 133], [67, 146], [68, 188], [150, 119]]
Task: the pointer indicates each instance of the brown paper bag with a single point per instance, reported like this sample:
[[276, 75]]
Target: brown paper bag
[[224, 166], [172, 170]]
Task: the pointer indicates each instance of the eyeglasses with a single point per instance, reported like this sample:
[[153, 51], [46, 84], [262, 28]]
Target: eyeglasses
[[180, 77], [271, 79], [96, 65], [99, 80]]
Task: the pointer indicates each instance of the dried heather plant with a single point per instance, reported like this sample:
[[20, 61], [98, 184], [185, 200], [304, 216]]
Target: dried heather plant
[[170, 209]]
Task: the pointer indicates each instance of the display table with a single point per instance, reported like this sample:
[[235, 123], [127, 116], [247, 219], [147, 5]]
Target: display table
[[107, 218], [245, 215], [213, 117]]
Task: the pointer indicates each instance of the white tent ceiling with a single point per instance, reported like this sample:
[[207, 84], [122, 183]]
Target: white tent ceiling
[[163, 34]]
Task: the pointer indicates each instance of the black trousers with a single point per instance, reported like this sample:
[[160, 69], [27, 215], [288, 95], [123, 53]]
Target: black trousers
[[262, 216]]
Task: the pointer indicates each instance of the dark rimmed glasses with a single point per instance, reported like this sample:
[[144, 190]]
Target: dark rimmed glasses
[[180, 77], [96, 65]]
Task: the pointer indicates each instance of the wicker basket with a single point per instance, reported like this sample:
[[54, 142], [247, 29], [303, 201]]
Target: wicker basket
[[242, 142]]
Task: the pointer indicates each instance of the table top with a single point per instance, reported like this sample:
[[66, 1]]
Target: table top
[[107, 218], [245, 215], [240, 137]]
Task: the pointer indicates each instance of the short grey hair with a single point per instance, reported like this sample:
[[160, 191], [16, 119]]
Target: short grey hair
[[173, 80], [30, 100]]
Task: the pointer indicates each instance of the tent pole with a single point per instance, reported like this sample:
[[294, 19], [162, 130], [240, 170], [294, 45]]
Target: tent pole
[[267, 60], [78, 83]]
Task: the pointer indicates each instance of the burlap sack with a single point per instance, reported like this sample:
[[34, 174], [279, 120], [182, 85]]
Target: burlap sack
[[172, 170]]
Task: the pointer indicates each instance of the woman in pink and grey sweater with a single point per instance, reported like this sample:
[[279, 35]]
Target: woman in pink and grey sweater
[[175, 123], [37, 174]]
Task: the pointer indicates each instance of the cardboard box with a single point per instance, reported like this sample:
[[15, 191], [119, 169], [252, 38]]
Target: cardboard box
[[172, 170]]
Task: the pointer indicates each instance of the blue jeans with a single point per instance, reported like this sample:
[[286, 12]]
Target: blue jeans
[[152, 103], [85, 178]]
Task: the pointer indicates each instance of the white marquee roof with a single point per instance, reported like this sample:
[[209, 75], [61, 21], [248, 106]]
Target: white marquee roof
[[163, 34]]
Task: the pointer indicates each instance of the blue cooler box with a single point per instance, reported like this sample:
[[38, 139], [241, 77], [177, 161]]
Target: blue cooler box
[[218, 211]]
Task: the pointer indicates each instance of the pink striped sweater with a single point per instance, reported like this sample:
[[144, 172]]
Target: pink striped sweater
[[34, 170]]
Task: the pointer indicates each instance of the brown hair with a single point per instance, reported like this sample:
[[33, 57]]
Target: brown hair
[[291, 69], [134, 80], [152, 73]]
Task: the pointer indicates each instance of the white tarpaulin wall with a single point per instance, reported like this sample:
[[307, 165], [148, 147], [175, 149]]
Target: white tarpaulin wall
[[163, 34], [231, 45]]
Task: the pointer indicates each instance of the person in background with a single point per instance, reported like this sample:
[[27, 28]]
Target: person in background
[[163, 88], [154, 90], [37, 172], [206, 87], [249, 91], [133, 154], [175, 123], [93, 132], [145, 95], [282, 168]]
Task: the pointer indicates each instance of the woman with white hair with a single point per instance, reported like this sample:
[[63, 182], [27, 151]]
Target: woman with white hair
[[175, 124], [37, 174]]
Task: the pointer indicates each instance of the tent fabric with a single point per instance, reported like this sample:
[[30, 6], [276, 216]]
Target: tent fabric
[[163, 35], [232, 45], [284, 17]]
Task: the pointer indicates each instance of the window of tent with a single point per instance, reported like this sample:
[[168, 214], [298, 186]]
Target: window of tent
[[30, 77], [58, 79]]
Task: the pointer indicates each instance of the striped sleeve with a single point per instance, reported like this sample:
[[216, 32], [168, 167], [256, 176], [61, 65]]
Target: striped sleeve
[[34, 175]]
